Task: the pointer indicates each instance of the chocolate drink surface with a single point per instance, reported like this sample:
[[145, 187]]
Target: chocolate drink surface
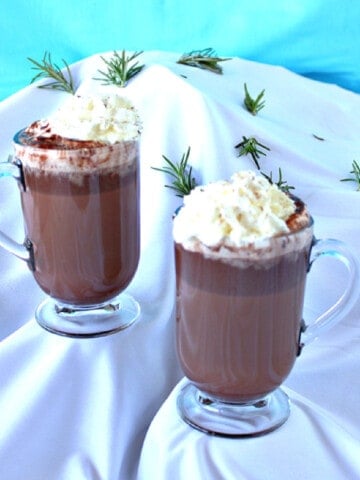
[[80, 202], [238, 325], [85, 246]]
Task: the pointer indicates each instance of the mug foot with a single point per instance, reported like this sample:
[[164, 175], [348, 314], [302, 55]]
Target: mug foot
[[87, 322], [235, 420]]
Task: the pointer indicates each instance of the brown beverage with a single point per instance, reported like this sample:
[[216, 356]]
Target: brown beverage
[[238, 325], [243, 249], [242, 254], [82, 220]]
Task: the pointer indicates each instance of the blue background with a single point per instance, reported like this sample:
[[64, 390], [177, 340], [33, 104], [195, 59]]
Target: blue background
[[316, 38]]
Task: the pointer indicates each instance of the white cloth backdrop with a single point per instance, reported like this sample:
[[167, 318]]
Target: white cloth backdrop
[[80, 409]]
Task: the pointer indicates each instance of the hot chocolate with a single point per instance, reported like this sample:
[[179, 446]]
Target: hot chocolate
[[238, 327], [85, 233], [239, 307], [80, 201]]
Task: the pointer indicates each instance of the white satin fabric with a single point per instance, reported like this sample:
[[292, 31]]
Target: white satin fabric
[[80, 409]]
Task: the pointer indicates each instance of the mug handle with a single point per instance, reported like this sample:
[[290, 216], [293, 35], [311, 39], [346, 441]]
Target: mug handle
[[23, 251], [341, 252]]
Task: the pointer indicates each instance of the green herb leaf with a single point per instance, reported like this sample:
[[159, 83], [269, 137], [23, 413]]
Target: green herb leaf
[[356, 175], [254, 105], [181, 172], [204, 59], [318, 138], [120, 69], [253, 147], [47, 69], [281, 183]]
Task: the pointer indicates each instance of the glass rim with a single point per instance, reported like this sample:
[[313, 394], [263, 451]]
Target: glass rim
[[256, 251], [79, 145], [310, 224]]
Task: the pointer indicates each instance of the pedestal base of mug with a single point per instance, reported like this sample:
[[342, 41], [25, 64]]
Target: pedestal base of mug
[[87, 322], [234, 420]]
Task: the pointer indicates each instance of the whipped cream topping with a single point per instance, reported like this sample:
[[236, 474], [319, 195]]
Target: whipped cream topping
[[107, 118], [86, 133], [245, 210]]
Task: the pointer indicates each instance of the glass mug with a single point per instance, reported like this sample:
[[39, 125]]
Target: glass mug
[[240, 329], [82, 232]]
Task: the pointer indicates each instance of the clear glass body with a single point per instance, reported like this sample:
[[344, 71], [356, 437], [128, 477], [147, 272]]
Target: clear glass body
[[240, 329], [81, 215], [238, 325], [86, 235]]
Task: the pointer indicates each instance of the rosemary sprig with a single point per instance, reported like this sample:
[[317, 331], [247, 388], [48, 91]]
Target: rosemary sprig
[[120, 69], [318, 138], [254, 105], [204, 59], [356, 172], [48, 69], [281, 183], [253, 147], [183, 181]]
